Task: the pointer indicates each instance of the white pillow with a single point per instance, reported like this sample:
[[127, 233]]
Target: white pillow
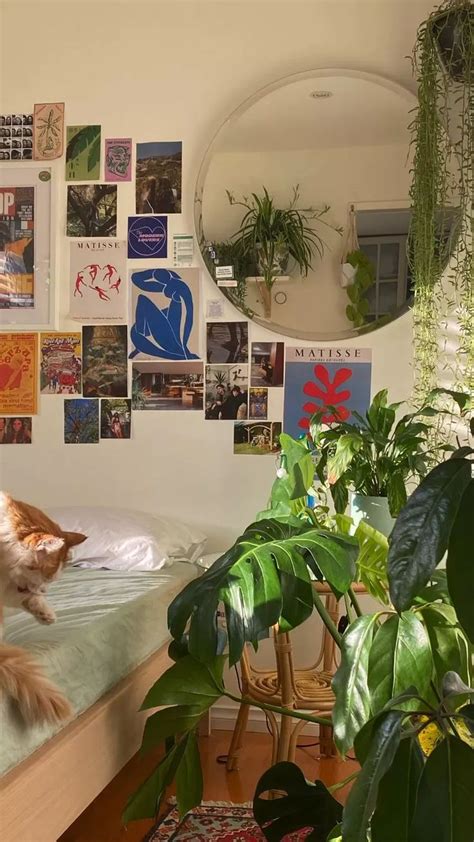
[[121, 539]]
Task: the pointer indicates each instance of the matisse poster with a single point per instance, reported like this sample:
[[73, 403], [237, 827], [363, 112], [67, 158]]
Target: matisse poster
[[61, 363], [316, 378], [18, 373], [98, 280]]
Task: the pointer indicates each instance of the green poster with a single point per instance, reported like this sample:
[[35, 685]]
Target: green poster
[[82, 153]]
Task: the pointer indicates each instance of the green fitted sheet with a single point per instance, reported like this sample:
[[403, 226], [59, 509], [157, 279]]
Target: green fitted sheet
[[108, 623]]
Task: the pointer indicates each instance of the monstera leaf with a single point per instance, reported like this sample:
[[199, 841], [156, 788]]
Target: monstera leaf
[[262, 580]]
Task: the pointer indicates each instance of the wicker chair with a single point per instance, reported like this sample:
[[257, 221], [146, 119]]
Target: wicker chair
[[301, 689]]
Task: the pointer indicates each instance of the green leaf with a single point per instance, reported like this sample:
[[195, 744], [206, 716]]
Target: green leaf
[[396, 493], [397, 795], [168, 722], [93, 157], [372, 560], [352, 706], [448, 644], [335, 835], [459, 565], [445, 795], [304, 804], [346, 448], [187, 682], [420, 536], [145, 802], [362, 798], [400, 657], [189, 783]]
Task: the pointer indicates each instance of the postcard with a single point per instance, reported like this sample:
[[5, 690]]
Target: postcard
[[61, 363], [115, 418], [18, 373], [81, 421], [158, 177], [258, 402], [267, 363], [48, 131], [118, 159], [15, 430], [227, 342], [16, 137], [168, 386], [91, 210], [226, 392], [83, 153], [104, 361], [254, 438]]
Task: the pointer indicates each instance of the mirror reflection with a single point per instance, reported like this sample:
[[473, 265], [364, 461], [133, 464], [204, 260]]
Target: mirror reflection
[[302, 205]]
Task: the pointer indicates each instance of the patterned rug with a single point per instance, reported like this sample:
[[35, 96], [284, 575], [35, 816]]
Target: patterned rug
[[213, 820]]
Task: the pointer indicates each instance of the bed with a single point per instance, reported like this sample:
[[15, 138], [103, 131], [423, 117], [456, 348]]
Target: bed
[[106, 649]]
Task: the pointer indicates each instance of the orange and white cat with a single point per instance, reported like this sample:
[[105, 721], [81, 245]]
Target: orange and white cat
[[33, 552]]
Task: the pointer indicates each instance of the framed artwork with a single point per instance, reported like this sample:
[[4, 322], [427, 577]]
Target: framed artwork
[[25, 248]]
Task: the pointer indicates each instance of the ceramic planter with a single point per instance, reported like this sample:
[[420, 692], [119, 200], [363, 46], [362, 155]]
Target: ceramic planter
[[374, 510]]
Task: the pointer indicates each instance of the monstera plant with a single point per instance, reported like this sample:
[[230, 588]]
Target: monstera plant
[[403, 701]]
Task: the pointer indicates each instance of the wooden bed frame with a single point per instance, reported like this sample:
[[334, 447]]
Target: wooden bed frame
[[42, 796]]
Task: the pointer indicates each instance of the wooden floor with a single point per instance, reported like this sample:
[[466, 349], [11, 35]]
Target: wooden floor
[[101, 821]]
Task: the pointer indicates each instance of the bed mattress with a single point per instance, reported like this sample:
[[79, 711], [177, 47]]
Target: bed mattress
[[108, 623]]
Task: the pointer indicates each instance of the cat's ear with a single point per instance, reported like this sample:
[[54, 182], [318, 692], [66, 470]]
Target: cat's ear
[[47, 545], [72, 539]]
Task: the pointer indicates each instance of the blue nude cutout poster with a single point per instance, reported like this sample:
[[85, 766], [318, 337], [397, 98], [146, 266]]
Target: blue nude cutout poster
[[165, 314], [320, 377], [147, 237]]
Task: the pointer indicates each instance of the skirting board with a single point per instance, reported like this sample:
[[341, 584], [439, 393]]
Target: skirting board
[[223, 718]]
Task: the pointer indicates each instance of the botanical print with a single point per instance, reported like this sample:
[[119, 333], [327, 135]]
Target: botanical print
[[147, 237], [165, 314], [258, 403], [267, 363], [18, 373], [255, 438], [15, 430], [60, 363], [158, 177], [48, 131], [118, 159], [16, 137], [98, 280], [92, 210], [82, 153], [115, 418], [81, 421], [168, 386], [104, 361], [17, 247], [315, 378], [226, 392], [227, 342]]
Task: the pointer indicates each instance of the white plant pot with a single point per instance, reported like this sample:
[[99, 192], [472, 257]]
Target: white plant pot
[[348, 272], [374, 510]]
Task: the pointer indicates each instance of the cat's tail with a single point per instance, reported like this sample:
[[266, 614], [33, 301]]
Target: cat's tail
[[22, 679]]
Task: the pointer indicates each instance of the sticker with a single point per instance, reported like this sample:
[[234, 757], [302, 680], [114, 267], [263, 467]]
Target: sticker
[[214, 308], [224, 272], [48, 131], [118, 159], [229, 283], [158, 177], [44, 175], [147, 237], [183, 249]]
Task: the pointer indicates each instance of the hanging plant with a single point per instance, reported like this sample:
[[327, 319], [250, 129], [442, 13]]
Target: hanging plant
[[443, 139], [364, 278]]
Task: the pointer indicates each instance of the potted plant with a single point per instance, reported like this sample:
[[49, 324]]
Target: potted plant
[[269, 236], [375, 456], [363, 279], [402, 689], [452, 27]]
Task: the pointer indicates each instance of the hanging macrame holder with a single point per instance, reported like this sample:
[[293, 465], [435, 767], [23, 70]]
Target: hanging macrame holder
[[348, 271]]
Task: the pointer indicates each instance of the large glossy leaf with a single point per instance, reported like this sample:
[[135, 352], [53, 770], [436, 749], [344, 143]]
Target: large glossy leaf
[[448, 643], [444, 807], [346, 448], [420, 536], [189, 784], [187, 682], [460, 562], [385, 739], [167, 723], [303, 804], [145, 802], [262, 580], [397, 795], [396, 492], [352, 706], [399, 658], [372, 560]]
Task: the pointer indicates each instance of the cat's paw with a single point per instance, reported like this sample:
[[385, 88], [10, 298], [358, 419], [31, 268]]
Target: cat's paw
[[46, 616]]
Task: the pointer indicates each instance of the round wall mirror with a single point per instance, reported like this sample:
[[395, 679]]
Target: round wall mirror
[[302, 204]]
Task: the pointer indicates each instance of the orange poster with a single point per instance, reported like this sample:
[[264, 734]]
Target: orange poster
[[18, 373]]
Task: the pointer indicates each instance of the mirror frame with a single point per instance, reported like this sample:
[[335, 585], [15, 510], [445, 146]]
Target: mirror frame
[[316, 73]]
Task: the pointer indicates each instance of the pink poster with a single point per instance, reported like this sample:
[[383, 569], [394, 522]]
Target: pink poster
[[118, 159]]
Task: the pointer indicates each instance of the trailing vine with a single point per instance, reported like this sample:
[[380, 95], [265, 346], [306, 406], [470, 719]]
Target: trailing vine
[[443, 140]]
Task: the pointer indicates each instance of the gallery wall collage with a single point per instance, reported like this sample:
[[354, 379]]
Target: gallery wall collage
[[145, 317]]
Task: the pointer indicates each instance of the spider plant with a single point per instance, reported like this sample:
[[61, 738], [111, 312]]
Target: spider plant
[[271, 235]]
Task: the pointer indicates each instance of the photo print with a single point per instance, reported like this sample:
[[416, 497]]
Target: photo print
[[104, 361], [82, 153], [48, 131], [147, 237], [91, 210], [254, 438], [81, 421], [267, 363], [227, 342], [165, 308], [15, 430], [226, 392], [158, 177], [168, 386], [115, 418], [18, 373], [98, 280], [16, 137], [118, 159], [258, 403], [60, 363], [17, 247]]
